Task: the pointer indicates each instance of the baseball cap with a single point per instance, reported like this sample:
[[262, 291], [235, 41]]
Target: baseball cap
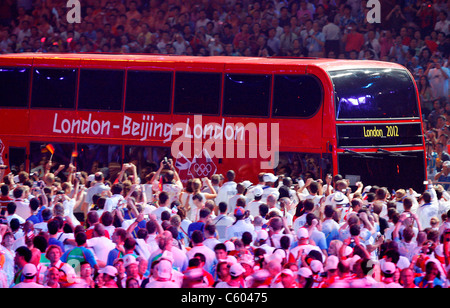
[[109, 270], [388, 268], [247, 183], [302, 233], [257, 191], [239, 211], [128, 260], [316, 266], [331, 263], [270, 177], [304, 272], [247, 259], [236, 270], [164, 269], [262, 235], [29, 270], [287, 272]]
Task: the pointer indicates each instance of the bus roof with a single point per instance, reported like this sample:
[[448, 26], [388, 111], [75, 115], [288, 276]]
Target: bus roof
[[325, 64]]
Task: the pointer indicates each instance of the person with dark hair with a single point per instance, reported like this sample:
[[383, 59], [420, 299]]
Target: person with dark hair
[[4, 198], [34, 207], [204, 217], [210, 232], [164, 204], [80, 254], [198, 247], [11, 211], [428, 209], [23, 256]]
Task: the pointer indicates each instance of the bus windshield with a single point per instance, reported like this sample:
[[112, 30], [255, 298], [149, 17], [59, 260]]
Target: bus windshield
[[374, 94]]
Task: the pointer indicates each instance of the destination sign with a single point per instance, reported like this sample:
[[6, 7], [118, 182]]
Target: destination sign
[[376, 135]]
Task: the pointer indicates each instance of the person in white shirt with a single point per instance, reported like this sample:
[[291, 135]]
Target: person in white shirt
[[210, 236], [426, 211], [199, 247], [222, 221], [240, 188], [164, 203], [228, 189], [253, 206], [443, 24], [29, 272], [269, 188], [239, 226], [22, 204], [100, 244], [113, 201]]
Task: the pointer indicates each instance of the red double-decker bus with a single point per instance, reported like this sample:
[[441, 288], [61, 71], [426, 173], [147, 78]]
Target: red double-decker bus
[[301, 117]]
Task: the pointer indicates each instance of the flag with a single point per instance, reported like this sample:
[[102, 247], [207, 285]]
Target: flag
[[50, 148], [160, 185], [75, 154]]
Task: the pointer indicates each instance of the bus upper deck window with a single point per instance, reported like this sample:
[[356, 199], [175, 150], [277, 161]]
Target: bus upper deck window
[[247, 95], [296, 96], [54, 88], [149, 91], [101, 90], [14, 86], [197, 93]]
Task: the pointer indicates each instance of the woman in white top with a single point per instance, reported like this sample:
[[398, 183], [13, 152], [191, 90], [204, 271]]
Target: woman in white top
[[189, 205], [70, 203]]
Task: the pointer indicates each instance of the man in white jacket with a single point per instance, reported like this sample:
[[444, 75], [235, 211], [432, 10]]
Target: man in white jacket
[[228, 189]]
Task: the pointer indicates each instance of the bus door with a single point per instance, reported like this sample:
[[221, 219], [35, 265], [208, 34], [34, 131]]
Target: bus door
[[15, 156]]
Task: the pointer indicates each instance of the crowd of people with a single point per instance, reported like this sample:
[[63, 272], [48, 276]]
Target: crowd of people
[[413, 33], [217, 233], [86, 232]]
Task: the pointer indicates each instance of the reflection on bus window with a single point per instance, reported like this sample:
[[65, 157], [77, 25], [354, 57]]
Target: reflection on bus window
[[14, 87], [146, 159], [296, 96], [374, 94], [40, 156], [247, 95], [97, 157], [54, 88], [299, 165]]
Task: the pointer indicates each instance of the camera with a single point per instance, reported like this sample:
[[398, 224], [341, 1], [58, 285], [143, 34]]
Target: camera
[[165, 162]]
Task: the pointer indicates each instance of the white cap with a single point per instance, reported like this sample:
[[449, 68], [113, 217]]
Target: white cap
[[270, 177], [316, 266], [29, 270], [262, 235], [288, 272], [230, 246], [236, 270], [109, 270], [302, 233], [128, 260], [257, 191], [388, 268], [164, 269], [91, 178], [331, 263], [305, 272], [247, 259], [247, 184]]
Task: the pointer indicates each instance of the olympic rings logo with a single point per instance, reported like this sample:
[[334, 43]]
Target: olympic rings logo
[[202, 169]]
